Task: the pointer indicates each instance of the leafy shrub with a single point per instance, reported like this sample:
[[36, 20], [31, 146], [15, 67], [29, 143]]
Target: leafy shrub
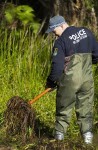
[[19, 16]]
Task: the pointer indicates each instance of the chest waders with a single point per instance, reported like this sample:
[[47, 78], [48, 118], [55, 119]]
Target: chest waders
[[75, 90]]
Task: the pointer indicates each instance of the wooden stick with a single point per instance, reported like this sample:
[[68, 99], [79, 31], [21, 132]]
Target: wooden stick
[[40, 95]]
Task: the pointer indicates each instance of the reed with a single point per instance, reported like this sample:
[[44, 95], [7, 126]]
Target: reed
[[24, 64]]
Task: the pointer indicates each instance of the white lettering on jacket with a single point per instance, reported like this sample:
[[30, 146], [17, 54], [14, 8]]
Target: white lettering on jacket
[[78, 36]]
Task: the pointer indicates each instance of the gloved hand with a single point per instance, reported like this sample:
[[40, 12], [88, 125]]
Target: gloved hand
[[50, 84]]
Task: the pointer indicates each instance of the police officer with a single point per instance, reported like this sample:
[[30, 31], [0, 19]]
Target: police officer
[[74, 52]]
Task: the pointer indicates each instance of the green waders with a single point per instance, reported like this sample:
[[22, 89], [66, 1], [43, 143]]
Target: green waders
[[75, 90]]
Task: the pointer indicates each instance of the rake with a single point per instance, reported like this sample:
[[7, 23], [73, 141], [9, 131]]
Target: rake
[[20, 118]]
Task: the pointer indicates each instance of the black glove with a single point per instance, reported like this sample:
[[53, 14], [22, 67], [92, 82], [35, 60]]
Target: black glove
[[50, 84]]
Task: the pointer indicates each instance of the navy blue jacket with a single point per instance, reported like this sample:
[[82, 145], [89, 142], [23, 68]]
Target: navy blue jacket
[[73, 40]]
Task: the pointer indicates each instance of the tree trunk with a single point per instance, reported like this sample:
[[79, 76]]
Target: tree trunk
[[75, 12]]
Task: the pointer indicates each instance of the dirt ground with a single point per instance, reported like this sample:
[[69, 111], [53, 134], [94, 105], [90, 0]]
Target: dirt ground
[[46, 144]]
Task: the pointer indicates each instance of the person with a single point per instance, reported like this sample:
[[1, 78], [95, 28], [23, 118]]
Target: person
[[74, 52]]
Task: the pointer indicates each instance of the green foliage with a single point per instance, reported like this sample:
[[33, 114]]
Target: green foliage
[[89, 4], [19, 16], [24, 14], [95, 70], [10, 13], [95, 2]]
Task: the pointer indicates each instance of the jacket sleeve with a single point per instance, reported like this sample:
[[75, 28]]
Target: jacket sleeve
[[58, 60]]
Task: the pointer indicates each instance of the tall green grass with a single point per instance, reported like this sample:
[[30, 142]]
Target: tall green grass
[[24, 66]]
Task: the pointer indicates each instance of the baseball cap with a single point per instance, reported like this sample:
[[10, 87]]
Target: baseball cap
[[55, 22]]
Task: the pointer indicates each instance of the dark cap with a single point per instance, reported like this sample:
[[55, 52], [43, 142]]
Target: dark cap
[[55, 22]]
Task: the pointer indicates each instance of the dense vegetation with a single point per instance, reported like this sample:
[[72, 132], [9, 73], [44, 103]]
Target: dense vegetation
[[24, 66]]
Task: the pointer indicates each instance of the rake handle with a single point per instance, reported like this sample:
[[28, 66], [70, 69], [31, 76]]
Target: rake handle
[[40, 95]]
